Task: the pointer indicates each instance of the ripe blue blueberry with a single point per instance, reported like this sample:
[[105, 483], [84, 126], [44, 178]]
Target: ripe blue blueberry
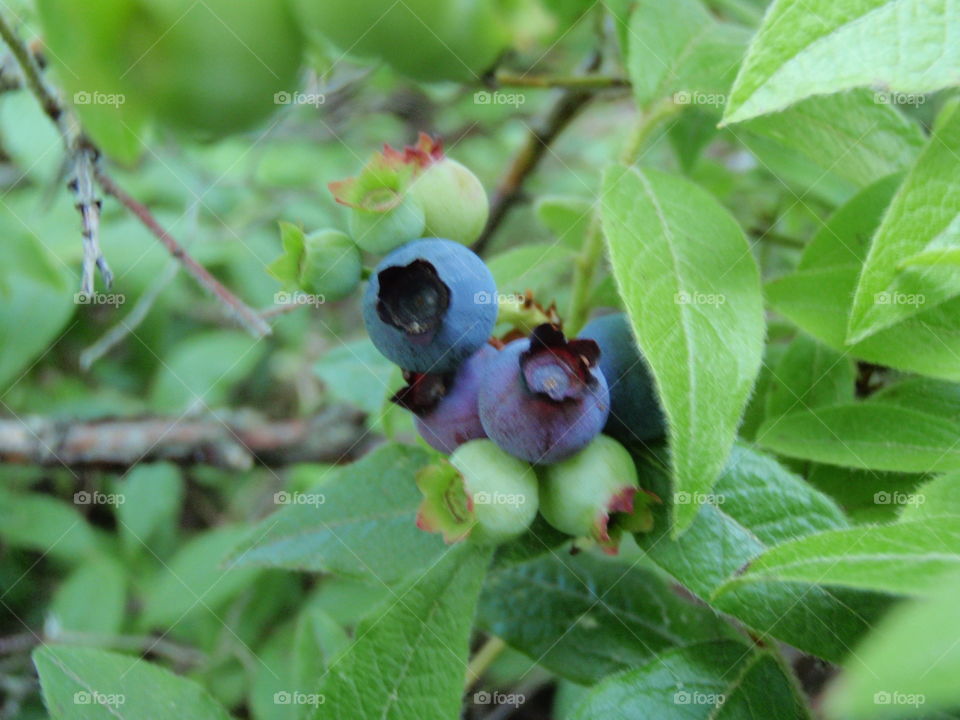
[[635, 414], [446, 405], [427, 306], [543, 398]]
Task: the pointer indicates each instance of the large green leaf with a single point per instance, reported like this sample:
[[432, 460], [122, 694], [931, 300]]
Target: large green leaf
[[818, 295], [711, 681], [872, 436], [92, 599], [47, 525], [925, 213], [850, 134], [908, 667], [585, 618], [908, 558], [365, 527], [809, 375], [88, 684], [758, 504], [409, 660], [678, 48], [692, 291], [152, 496], [817, 47]]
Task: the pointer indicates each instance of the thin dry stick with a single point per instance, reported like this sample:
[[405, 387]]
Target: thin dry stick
[[244, 314]]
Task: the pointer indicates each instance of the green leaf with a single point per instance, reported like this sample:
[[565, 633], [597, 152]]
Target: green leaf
[[939, 497], [88, 684], [356, 373], [201, 370], [540, 267], [933, 397], [567, 217], [92, 599], [758, 504], [908, 666], [152, 496], [286, 268], [850, 134], [908, 558], [364, 528], [692, 291], [721, 680], [818, 295], [818, 47], [197, 579], [46, 525], [409, 660], [866, 496], [677, 48], [809, 375], [866, 435], [584, 617], [925, 213], [35, 304]]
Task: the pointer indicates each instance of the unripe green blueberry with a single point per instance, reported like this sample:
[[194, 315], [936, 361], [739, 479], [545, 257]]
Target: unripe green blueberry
[[579, 495], [482, 492], [454, 202], [381, 231], [331, 264]]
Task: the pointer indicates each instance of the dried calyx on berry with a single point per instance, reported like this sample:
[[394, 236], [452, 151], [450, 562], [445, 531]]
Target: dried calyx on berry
[[544, 398], [403, 194], [445, 406], [481, 491], [424, 307], [596, 494]]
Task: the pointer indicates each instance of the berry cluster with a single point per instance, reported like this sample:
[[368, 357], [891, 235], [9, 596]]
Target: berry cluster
[[520, 419]]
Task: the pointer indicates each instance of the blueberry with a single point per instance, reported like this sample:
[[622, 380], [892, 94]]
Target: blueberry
[[543, 398], [446, 405], [579, 495], [635, 413], [427, 306]]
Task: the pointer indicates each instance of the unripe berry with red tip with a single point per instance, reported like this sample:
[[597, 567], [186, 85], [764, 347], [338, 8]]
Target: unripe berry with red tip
[[482, 492], [635, 413], [595, 494], [446, 405], [425, 307], [543, 398]]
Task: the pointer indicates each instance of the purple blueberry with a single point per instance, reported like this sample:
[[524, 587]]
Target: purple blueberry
[[635, 414], [542, 399], [446, 405], [430, 305]]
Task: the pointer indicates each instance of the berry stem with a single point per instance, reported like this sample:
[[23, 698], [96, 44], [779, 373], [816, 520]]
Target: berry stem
[[575, 82], [591, 252], [483, 659]]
